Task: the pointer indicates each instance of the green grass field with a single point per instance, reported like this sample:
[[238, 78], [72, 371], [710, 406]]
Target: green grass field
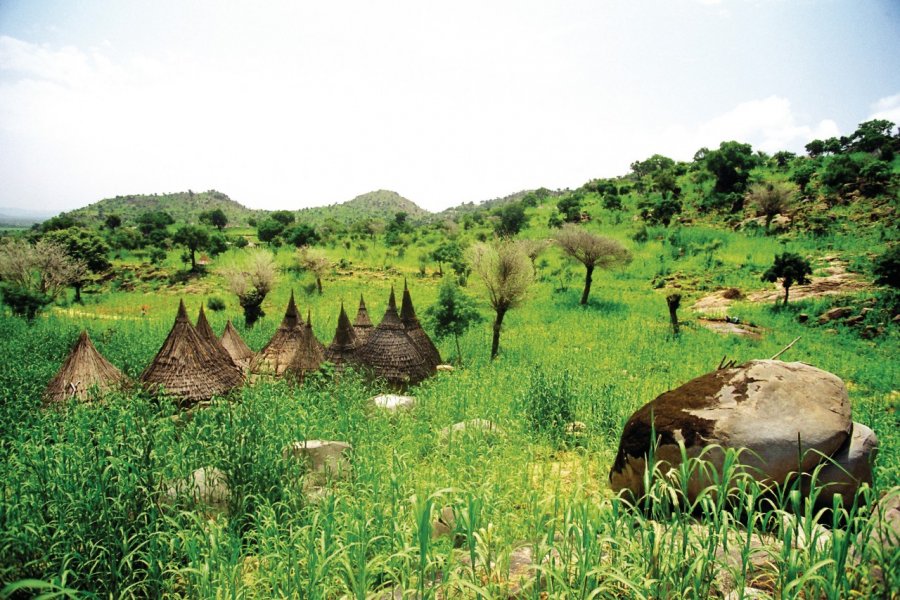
[[80, 500]]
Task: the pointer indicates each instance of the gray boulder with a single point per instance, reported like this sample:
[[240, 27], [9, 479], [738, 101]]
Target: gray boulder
[[848, 469], [764, 406], [325, 459], [206, 485]]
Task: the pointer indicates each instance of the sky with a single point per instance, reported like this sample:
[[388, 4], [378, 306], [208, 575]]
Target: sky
[[283, 105]]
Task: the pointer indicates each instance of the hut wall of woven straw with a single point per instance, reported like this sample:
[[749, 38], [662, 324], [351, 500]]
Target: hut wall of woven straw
[[84, 370], [345, 343], [309, 355], [239, 351], [276, 356], [391, 354], [206, 333], [187, 368], [414, 329]]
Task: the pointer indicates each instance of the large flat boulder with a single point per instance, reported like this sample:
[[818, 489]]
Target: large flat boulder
[[767, 407], [848, 469]]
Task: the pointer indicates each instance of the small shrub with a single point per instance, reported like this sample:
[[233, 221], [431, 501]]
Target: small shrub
[[215, 304], [548, 404]]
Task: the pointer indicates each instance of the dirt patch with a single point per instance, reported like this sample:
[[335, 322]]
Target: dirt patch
[[836, 281], [728, 327]]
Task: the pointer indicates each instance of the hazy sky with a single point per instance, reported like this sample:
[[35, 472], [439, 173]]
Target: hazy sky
[[292, 104]]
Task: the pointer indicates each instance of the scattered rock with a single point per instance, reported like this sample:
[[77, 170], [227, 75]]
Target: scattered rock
[[869, 332], [393, 402], [729, 327], [576, 428], [851, 468], [834, 314], [207, 485], [802, 317], [764, 406], [853, 321], [836, 281], [326, 460], [445, 524], [445, 368]]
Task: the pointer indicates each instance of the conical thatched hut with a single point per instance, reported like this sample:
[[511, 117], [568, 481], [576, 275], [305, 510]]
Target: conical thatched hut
[[363, 324], [414, 329], [187, 367], [345, 343], [275, 357], [84, 369], [240, 352], [309, 355], [206, 333], [391, 354]]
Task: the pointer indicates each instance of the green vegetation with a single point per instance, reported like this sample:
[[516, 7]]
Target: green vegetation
[[85, 502]]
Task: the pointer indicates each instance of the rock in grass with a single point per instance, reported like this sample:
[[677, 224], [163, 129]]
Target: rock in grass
[[835, 314], [393, 402], [206, 485], [762, 406], [325, 460], [483, 425], [848, 469]]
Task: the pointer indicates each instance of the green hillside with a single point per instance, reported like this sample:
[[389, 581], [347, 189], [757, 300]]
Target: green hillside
[[182, 206], [380, 204]]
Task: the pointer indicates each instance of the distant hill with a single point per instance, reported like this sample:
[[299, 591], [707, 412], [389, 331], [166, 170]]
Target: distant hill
[[18, 217], [380, 204], [184, 207]]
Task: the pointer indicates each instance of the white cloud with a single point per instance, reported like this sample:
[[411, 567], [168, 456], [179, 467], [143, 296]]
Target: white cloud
[[887, 108], [769, 124]]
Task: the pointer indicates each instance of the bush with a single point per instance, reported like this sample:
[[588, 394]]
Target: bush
[[215, 304], [887, 268], [24, 302], [548, 404]]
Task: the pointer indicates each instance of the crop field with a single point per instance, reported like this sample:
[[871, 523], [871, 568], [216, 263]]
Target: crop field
[[84, 510]]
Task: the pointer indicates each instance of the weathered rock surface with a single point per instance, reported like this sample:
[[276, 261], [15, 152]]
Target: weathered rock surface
[[325, 459], [483, 425], [764, 406], [834, 314], [851, 468], [393, 402], [207, 485]]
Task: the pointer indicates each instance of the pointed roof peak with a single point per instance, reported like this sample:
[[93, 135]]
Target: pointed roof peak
[[407, 312], [182, 312], [362, 303], [291, 314], [392, 300], [405, 287], [309, 317]]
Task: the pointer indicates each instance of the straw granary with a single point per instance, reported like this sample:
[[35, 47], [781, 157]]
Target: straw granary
[[239, 351], [414, 330], [310, 353], [362, 325], [206, 333], [391, 354], [187, 367], [84, 370], [275, 357], [345, 343]]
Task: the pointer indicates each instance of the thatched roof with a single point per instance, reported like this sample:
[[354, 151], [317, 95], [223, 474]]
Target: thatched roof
[[414, 329], [187, 367], [84, 369], [363, 324], [391, 354], [275, 357], [240, 352], [309, 355], [345, 343], [206, 333]]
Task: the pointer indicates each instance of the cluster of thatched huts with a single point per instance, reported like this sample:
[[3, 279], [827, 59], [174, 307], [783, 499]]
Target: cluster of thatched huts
[[193, 364]]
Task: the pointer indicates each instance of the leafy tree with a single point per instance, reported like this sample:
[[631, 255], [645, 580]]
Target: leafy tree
[[592, 251], [315, 262], [193, 238], [872, 136], [154, 221], [570, 208], [62, 221], [874, 177], [512, 219], [612, 202], [113, 222], [301, 234], [731, 165], [448, 252], [397, 229], [251, 283], [452, 314], [887, 268], [506, 273], [217, 244], [770, 199], [790, 268], [268, 230], [34, 276], [215, 218], [659, 209], [651, 166], [285, 217], [783, 159], [85, 246], [802, 172]]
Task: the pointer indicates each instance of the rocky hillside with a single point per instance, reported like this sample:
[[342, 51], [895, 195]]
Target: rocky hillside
[[380, 204]]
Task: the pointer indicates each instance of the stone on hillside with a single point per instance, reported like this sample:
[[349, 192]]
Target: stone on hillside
[[852, 467], [393, 402], [207, 485], [471, 425], [326, 460], [802, 318], [764, 406], [444, 524], [834, 314]]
